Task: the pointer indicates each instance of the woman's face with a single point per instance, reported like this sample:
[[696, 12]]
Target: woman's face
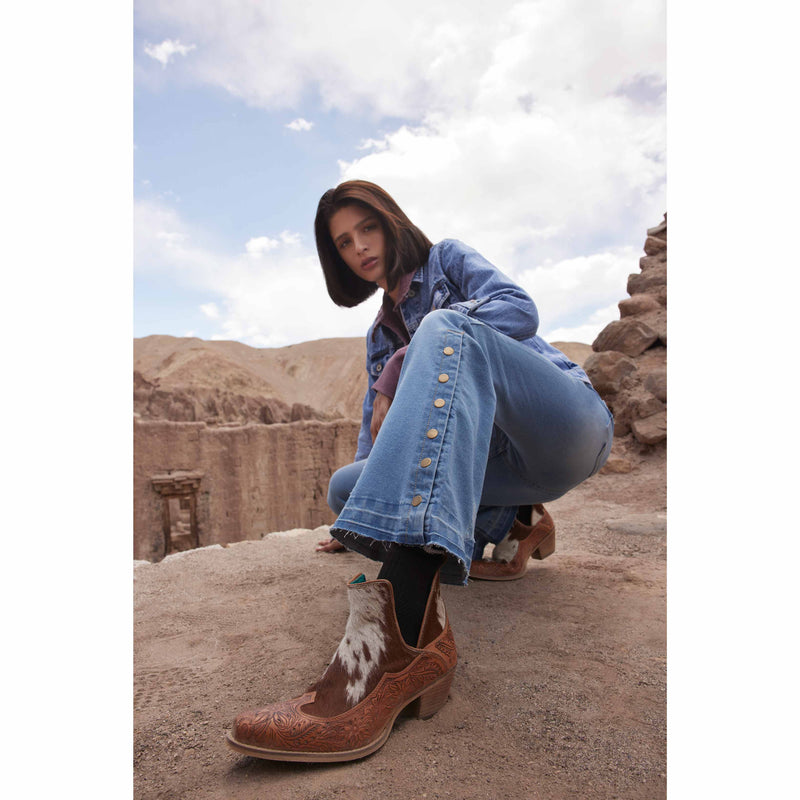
[[358, 236]]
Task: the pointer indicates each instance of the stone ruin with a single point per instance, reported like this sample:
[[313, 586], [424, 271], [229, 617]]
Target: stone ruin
[[629, 364], [196, 485]]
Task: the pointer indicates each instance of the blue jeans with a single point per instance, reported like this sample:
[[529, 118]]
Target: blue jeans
[[479, 425]]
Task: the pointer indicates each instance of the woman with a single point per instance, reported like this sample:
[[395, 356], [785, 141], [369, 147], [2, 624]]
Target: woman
[[470, 423]]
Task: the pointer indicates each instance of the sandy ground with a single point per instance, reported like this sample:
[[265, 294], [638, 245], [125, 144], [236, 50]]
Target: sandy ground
[[561, 683]]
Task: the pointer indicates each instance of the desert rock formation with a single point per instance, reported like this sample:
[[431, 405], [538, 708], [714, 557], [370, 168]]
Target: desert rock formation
[[230, 383], [196, 485], [221, 382], [232, 442], [629, 364]]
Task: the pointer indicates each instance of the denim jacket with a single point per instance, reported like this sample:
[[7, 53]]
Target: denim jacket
[[459, 278]]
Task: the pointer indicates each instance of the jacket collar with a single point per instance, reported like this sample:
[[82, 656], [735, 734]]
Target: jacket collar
[[405, 284]]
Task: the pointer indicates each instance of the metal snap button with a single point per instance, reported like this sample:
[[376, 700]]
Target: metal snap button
[[438, 402], [448, 351], [416, 500], [426, 462], [443, 378], [432, 433]]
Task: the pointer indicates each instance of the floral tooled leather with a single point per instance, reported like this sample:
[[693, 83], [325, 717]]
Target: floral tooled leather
[[290, 727]]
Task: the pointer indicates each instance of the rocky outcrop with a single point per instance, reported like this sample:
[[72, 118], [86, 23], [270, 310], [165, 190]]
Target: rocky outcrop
[[236, 482], [213, 406], [229, 383], [224, 383], [629, 364]]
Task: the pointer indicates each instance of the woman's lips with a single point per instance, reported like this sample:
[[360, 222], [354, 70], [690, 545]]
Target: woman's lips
[[369, 263]]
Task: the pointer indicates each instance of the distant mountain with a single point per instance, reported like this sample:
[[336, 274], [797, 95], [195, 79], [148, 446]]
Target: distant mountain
[[189, 379]]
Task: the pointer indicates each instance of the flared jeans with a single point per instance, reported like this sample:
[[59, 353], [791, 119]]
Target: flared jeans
[[480, 424]]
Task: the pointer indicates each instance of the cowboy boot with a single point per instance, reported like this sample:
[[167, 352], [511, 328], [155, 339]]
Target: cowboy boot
[[374, 675], [522, 542]]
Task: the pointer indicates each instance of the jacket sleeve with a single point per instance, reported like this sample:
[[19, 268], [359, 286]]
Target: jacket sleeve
[[364, 445], [492, 297], [364, 436]]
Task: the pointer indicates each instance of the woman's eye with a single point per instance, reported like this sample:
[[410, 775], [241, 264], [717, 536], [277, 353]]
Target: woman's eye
[[344, 244]]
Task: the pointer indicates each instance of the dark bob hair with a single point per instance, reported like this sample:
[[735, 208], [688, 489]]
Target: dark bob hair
[[407, 247]]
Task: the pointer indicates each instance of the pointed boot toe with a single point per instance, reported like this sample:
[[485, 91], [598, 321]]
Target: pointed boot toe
[[373, 676]]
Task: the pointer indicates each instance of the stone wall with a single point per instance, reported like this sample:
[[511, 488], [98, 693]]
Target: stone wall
[[243, 481], [629, 364]]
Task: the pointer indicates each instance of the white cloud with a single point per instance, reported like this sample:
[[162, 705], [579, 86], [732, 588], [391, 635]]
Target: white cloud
[[534, 131], [260, 245], [520, 187], [361, 61], [573, 289], [279, 297], [588, 331], [300, 124], [275, 299], [164, 52]]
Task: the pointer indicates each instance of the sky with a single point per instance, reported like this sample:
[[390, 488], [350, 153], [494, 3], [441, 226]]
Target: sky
[[533, 131]]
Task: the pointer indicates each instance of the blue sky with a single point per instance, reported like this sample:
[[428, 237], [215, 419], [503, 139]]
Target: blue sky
[[534, 131]]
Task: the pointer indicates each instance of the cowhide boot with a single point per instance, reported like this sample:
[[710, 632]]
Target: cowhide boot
[[374, 675], [535, 537]]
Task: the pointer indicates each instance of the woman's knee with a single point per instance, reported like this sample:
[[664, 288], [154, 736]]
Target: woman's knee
[[337, 493], [441, 319], [341, 485]]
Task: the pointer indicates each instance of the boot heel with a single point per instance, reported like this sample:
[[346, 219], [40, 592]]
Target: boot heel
[[546, 547], [428, 703]]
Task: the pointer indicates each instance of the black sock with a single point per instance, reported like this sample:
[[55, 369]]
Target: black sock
[[410, 570]]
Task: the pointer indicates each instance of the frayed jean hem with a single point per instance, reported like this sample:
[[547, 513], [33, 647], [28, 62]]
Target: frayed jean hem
[[363, 540]]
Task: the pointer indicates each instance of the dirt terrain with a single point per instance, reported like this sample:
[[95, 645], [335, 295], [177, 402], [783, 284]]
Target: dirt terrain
[[560, 690]]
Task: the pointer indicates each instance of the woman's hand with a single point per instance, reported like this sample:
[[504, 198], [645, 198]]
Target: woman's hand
[[379, 409]]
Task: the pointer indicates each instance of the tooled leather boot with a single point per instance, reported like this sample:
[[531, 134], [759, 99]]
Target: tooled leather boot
[[523, 541], [374, 675]]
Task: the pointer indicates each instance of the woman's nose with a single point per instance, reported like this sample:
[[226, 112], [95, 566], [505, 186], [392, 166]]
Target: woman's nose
[[361, 245]]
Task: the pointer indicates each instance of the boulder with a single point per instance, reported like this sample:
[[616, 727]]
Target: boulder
[[656, 383], [652, 429], [653, 245], [647, 282], [631, 404], [649, 262], [617, 464], [638, 304], [656, 319], [608, 370], [629, 336], [628, 367], [646, 404]]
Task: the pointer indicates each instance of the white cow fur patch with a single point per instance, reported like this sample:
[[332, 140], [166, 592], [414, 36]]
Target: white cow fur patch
[[506, 549], [364, 626]]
